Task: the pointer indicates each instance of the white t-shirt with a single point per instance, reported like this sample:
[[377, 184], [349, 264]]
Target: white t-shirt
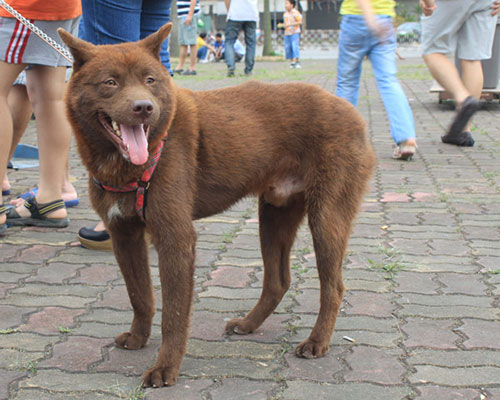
[[243, 10]]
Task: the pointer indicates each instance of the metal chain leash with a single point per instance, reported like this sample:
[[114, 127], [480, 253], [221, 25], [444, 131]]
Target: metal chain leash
[[37, 31]]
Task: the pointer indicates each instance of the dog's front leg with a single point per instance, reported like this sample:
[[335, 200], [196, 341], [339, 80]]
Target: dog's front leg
[[176, 254], [131, 252]]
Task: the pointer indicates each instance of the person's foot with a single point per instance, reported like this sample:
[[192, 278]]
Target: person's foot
[[292, 65], [68, 194], [297, 65], [230, 73], [178, 71], [23, 212], [463, 139], [5, 186], [189, 72], [95, 238], [455, 134], [405, 150]]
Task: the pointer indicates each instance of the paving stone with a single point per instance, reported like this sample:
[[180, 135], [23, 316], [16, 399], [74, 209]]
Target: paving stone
[[450, 300], [50, 320], [416, 282], [318, 370], [232, 349], [28, 394], [245, 389], [186, 389], [35, 253], [23, 300], [457, 358], [6, 379], [39, 289], [18, 360], [97, 275], [130, 362], [54, 273], [367, 303], [230, 277], [477, 376], [303, 390], [368, 364], [76, 354], [67, 382], [436, 334], [230, 293], [449, 312], [13, 316], [481, 334]]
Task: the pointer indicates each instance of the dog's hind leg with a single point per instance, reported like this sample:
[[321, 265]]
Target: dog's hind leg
[[278, 227], [330, 217], [131, 253]]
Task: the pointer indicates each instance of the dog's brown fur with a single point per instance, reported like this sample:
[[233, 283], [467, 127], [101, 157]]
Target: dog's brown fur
[[297, 147]]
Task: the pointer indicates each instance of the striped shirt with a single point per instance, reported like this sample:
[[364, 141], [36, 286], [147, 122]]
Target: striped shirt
[[184, 5]]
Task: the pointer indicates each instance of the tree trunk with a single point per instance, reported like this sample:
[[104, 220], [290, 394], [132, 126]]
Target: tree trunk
[[173, 40], [268, 47]]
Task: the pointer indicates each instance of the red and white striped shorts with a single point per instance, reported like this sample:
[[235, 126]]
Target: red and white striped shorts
[[18, 45]]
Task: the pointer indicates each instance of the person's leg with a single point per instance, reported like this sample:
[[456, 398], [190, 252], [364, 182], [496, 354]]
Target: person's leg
[[192, 58], [352, 50], [473, 79], [154, 15], [182, 58], [231, 34], [20, 110], [46, 90], [288, 49], [295, 49], [382, 57], [202, 53], [250, 28], [8, 72], [446, 74]]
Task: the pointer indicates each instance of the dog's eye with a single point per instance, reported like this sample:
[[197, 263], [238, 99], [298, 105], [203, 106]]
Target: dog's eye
[[110, 82], [150, 80]]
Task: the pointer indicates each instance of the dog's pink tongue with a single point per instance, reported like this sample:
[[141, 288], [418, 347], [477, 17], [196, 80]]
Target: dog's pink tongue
[[135, 138]]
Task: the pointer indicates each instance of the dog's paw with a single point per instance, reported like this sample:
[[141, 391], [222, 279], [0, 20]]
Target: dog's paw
[[159, 376], [239, 326], [311, 349], [130, 341]]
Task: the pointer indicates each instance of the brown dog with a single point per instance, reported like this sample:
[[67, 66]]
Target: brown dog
[[300, 149]]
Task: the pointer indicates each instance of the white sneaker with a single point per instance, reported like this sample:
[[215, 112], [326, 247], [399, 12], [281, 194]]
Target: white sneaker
[[297, 65], [292, 65]]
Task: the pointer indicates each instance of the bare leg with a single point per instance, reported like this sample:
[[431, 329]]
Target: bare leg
[[446, 74], [192, 58], [182, 57], [8, 72], [472, 76], [278, 227], [46, 90]]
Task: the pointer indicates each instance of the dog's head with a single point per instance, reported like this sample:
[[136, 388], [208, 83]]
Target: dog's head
[[120, 94]]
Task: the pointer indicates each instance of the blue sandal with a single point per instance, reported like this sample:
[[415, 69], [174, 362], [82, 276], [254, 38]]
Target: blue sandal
[[3, 227], [34, 191], [38, 215]]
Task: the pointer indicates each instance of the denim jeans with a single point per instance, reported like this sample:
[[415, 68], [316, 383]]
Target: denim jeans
[[117, 21], [355, 42], [292, 46], [233, 28]]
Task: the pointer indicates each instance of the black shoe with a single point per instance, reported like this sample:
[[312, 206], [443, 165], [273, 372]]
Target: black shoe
[[464, 114], [95, 240], [230, 73]]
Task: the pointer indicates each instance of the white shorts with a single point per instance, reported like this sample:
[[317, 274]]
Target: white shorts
[[18, 45], [462, 26]]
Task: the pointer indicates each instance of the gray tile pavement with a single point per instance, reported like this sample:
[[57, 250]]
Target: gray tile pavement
[[422, 272]]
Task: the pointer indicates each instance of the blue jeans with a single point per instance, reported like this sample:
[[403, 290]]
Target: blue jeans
[[355, 42], [202, 53], [292, 46], [233, 28], [117, 21]]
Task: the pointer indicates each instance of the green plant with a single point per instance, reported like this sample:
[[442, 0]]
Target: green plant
[[64, 329], [8, 331]]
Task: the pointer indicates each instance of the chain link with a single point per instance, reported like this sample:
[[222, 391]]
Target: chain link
[[37, 31]]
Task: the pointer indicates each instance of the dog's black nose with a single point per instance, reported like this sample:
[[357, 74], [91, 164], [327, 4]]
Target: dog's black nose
[[142, 108]]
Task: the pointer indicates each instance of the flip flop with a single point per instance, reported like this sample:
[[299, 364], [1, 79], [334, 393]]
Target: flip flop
[[38, 215], [34, 191], [5, 192], [3, 227]]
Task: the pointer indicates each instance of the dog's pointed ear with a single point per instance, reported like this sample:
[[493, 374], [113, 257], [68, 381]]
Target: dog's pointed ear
[[154, 41], [81, 50]]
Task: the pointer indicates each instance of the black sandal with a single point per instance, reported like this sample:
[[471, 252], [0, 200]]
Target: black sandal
[[38, 215], [3, 227]]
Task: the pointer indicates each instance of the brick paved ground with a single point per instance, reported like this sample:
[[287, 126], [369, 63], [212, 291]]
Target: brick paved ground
[[423, 279]]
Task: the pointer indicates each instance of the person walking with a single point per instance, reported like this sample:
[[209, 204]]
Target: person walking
[[241, 15], [467, 27], [293, 20], [45, 80], [187, 13], [367, 30]]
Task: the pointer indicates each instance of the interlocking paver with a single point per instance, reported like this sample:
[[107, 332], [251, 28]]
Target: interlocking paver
[[420, 317]]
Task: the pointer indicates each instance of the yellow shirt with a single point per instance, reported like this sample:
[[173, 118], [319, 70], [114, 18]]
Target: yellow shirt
[[200, 42], [380, 7]]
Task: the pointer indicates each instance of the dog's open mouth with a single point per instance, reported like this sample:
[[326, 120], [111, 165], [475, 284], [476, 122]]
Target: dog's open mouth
[[131, 140]]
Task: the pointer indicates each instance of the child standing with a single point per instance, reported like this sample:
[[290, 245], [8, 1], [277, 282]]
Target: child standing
[[293, 20]]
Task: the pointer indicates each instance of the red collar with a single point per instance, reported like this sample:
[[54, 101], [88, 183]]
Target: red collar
[[141, 186]]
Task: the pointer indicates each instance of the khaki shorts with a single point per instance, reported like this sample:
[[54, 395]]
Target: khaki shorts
[[188, 34], [462, 26]]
